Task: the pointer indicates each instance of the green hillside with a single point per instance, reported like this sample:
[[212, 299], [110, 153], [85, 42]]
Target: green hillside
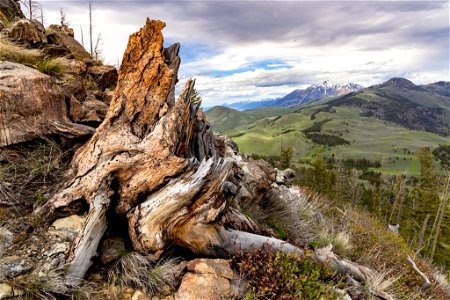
[[388, 122], [223, 118]]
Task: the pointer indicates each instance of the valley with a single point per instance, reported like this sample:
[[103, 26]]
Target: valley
[[385, 123]]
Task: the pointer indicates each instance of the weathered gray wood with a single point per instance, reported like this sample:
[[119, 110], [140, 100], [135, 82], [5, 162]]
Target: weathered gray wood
[[85, 247]]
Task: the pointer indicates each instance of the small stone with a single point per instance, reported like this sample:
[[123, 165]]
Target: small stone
[[6, 291], [73, 223], [58, 248], [139, 295]]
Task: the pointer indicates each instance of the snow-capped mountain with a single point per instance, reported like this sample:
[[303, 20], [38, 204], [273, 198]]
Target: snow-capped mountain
[[317, 91], [314, 92]]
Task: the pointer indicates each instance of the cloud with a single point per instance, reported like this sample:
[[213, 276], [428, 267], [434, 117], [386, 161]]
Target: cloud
[[250, 50]]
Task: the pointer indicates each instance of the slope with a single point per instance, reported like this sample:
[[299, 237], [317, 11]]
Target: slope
[[388, 122]]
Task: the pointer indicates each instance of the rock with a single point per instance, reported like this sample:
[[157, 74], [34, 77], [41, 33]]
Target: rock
[[26, 32], [284, 177], [67, 228], [91, 110], [55, 50], [6, 291], [112, 249], [139, 295], [91, 103], [210, 280], [218, 267], [107, 96], [73, 86], [72, 66], [203, 287], [6, 238], [104, 76], [32, 105], [62, 36], [10, 10], [58, 248], [12, 266]]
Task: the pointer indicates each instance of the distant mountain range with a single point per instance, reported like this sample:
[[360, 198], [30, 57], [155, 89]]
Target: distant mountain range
[[386, 122], [297, 97]]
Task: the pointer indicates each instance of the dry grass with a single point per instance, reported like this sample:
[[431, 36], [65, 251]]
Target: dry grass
[[340, 241], [136, 270], [51, 286], [298, 219], [11, 52], [382, 282]]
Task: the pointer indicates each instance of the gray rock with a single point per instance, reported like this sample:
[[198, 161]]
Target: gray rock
[[6, 238], [12, 266]]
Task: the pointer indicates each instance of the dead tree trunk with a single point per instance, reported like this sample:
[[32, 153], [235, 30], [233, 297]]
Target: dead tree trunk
[[157, 158]]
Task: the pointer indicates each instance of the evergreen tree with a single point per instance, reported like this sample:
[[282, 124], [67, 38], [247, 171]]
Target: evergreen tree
[[286, 157], [427, 198], [320, 175]]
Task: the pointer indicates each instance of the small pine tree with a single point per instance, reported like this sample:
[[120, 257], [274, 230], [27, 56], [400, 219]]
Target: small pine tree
[[320, 174], [286, 157]]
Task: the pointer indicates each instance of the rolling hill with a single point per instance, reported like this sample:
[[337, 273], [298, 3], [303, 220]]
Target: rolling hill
[[386, 122]]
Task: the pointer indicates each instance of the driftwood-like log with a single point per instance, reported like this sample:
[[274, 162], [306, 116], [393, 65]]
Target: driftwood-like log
[[426, 281], [153, 162]]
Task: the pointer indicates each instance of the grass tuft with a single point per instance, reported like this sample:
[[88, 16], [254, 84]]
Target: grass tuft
[[136, 270], [49, 66], [11, 52]]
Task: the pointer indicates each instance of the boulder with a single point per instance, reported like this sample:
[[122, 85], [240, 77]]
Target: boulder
[[62, 36], [10, 10], [32, 105], [208, 279], [26, 32], [104, 76]]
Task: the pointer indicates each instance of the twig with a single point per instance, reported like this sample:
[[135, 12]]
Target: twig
[[427, 282]]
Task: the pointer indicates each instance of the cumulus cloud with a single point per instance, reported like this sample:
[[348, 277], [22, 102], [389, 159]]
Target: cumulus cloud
[[251, 50]]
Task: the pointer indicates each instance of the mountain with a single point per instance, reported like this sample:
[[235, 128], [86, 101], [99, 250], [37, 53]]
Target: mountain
[[386, 122], [297, 97], [400, 101], [244, 105], [317, 91]]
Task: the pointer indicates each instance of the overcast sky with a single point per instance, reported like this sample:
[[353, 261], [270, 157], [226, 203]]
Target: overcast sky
[[252, 50]]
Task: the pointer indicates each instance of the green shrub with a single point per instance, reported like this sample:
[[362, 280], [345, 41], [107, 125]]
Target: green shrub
[[275, 275], [40, 199], [49, 66]]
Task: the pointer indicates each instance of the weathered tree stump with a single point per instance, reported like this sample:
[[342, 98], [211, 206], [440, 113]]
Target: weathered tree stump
[[157, 158]]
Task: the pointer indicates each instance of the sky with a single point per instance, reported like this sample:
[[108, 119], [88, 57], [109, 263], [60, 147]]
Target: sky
[[254, 50]]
